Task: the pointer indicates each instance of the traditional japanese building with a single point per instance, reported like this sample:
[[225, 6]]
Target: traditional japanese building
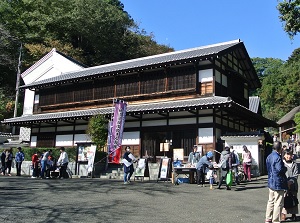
[[186, 97]]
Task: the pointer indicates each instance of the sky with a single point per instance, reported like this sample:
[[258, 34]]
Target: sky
[[184, 24]]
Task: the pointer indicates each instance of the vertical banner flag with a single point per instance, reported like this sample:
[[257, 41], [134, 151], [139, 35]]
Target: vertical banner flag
[[115, 132]]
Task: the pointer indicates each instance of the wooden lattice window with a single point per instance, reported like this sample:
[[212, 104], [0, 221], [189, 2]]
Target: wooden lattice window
[[45, 141], [46, 98], [104, 89], [206, 88], [84, 94], [181, 78], [152, 82], [64, 96], [127, 86]]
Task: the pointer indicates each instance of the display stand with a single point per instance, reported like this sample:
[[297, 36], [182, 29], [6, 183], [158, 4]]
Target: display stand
[[165, 167], [142, 169]]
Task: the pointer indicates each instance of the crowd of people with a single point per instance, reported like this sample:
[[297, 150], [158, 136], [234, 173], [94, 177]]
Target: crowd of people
[[42, 163], [229, 163]]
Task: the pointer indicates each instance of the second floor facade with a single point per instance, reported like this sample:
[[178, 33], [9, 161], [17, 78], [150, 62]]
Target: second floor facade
[[216, 70]]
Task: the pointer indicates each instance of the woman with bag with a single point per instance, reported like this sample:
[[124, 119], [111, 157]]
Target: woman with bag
[[292, 175], [225, 165], [247, 161]]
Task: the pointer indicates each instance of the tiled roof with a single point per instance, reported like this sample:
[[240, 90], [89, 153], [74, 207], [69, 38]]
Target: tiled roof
[[146, 108], [242, 134], [137, 108], [289, 116], [47, 56], [189, 54]]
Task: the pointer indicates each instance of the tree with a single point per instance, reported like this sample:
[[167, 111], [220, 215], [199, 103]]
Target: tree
[[97, 130], [96, 31], [289, 11], [297, 122]]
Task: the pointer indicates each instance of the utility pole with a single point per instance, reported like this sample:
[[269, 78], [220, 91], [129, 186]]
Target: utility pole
[[17, 87]]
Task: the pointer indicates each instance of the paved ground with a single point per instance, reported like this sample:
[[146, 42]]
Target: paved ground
[[93, 200]]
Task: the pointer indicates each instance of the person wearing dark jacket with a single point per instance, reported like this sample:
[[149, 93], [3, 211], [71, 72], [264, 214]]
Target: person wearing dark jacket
[[19, 158], [277, 183], [225, 166], [128, 160], [3, 155], [8, 161]]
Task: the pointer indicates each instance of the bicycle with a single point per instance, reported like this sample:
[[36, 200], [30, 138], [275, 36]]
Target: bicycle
[[241, 174]]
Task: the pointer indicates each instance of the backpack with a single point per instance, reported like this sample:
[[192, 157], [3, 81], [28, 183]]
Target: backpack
[[225, 162], [233, 158]]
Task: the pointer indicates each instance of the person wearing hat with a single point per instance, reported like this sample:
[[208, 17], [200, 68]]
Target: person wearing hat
[[204, 162], [194, 156]]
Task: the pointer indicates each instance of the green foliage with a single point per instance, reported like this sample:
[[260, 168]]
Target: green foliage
[[290, 16], [297, 121], [280, 90], [95, 32], [97, 130]]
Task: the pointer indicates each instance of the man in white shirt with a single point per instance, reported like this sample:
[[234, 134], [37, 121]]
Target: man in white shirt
[[63, 163]]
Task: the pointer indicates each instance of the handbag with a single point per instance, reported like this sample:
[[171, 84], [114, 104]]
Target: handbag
[[290, 200], [229, 178]]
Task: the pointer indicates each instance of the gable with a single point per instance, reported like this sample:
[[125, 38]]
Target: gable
[[51, 65]]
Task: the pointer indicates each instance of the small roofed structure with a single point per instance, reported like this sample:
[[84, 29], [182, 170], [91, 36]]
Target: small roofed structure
[[287, 125]]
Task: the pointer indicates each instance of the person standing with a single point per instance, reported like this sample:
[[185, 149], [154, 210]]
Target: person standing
[[201, 166], [247, 162], [8, 161], [225, 165], [44, 162], [128, 160], [235, 164], [3, 155], [63, 161], [19, 158], [194, 156], [35, 159], [292, 176], [277, 184]]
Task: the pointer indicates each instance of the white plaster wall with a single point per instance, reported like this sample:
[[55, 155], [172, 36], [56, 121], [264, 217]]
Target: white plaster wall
[[182, 121], [252, 145], [28, 102], [205, 75], [64, 140], [131, 138], [208, 119], [82, 138], [65, 128], [47, 129], [81, 127], [205, 135], [33, 141], [131, 124], [154, 123]]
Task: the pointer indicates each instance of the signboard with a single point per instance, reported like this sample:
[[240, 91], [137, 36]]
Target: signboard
[[85, 155], [115, 131], [178, 154], [164, 169], [140, 168]]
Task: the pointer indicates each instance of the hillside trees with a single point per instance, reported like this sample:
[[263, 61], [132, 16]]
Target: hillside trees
[[280, 90], [289, 11], [99, 31], [93, 32]]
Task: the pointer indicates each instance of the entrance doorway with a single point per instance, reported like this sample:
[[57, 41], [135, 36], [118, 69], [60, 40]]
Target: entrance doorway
[[178, 139]]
